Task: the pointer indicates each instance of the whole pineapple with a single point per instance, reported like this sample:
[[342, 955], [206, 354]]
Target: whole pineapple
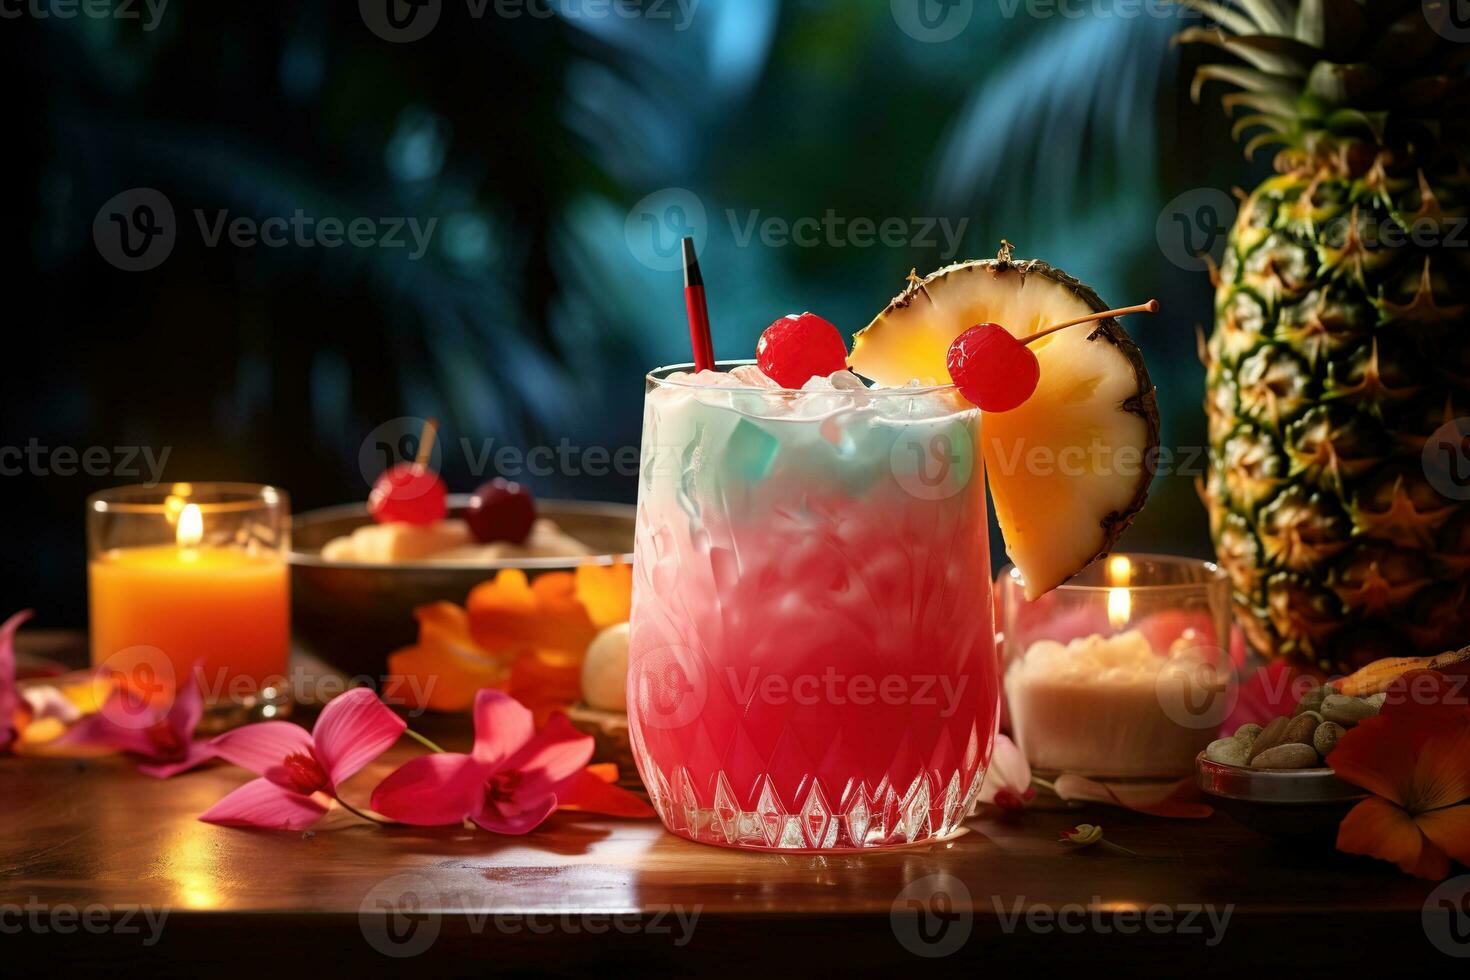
[[1342, 333]]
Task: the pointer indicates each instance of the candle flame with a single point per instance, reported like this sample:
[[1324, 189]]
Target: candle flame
[[1120, 599], [191, 526]]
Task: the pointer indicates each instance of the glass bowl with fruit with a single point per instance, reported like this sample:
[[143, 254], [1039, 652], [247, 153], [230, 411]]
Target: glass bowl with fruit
[[360, 570]]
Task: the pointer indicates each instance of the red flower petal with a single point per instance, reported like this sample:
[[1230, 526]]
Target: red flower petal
[[527, 815], [589, 792], [435, 790], [554, 755]]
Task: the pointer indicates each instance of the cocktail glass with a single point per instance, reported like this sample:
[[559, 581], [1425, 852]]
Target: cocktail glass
[[812, 663]]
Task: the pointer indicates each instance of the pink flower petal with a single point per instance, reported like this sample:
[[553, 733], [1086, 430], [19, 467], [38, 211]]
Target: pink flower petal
[[261, 803], [502, 726], [188, 705], [432, 790], [262, 747], [103, 729], [8, 699], [352, 731], [195, 756], [528, 814], [1008, 770], [557, 753]]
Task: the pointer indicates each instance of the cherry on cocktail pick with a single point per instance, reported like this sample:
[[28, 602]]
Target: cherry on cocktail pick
[[997, 371], [411, 492]]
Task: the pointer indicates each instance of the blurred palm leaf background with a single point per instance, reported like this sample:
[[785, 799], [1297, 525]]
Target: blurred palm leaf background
[[532, 140]]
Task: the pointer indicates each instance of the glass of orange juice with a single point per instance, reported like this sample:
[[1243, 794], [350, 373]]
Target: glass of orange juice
[[192, 577]]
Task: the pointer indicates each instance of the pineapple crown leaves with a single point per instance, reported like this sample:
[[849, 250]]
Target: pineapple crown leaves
[[1381, 71]]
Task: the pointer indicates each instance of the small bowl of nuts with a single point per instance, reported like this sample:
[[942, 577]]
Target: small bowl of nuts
[[1278, 779]]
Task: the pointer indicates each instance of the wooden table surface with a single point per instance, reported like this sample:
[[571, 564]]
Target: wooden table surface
[[96, 838]]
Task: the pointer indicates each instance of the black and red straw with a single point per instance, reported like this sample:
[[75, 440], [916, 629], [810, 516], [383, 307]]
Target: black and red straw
[[698, 309]]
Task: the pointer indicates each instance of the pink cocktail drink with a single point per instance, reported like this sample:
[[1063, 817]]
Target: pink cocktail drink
[[812, 662]]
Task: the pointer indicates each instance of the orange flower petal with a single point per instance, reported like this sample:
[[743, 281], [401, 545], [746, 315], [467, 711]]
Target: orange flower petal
[[1377, 828], [444, 620], [509, 612], [439, 678], [606, 591], [605, 771], [1449, 829], [446, 667], [546, 682], [1440, 774]]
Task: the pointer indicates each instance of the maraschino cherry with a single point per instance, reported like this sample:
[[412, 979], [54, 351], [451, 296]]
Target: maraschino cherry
[[997, 371], [795, 349], [411, 492], [501, 511]]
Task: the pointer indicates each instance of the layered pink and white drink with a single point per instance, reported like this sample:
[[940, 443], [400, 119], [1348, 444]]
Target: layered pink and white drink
[[812, 662]]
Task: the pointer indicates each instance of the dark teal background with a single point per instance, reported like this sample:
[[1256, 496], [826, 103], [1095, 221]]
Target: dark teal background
[[533, 139]]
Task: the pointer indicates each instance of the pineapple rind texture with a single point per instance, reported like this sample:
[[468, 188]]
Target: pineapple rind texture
[[1334, 358], [1340, 343]]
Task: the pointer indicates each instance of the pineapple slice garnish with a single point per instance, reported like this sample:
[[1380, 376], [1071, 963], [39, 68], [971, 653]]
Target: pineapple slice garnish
[[1071, 467]]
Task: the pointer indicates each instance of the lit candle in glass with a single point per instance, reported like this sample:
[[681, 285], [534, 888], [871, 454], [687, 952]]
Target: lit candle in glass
[[1123, 671], [191, 574]]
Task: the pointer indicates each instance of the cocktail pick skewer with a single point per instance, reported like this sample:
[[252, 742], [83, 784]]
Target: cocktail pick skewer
[[427, 436], [698, 310], [1152, 306]]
